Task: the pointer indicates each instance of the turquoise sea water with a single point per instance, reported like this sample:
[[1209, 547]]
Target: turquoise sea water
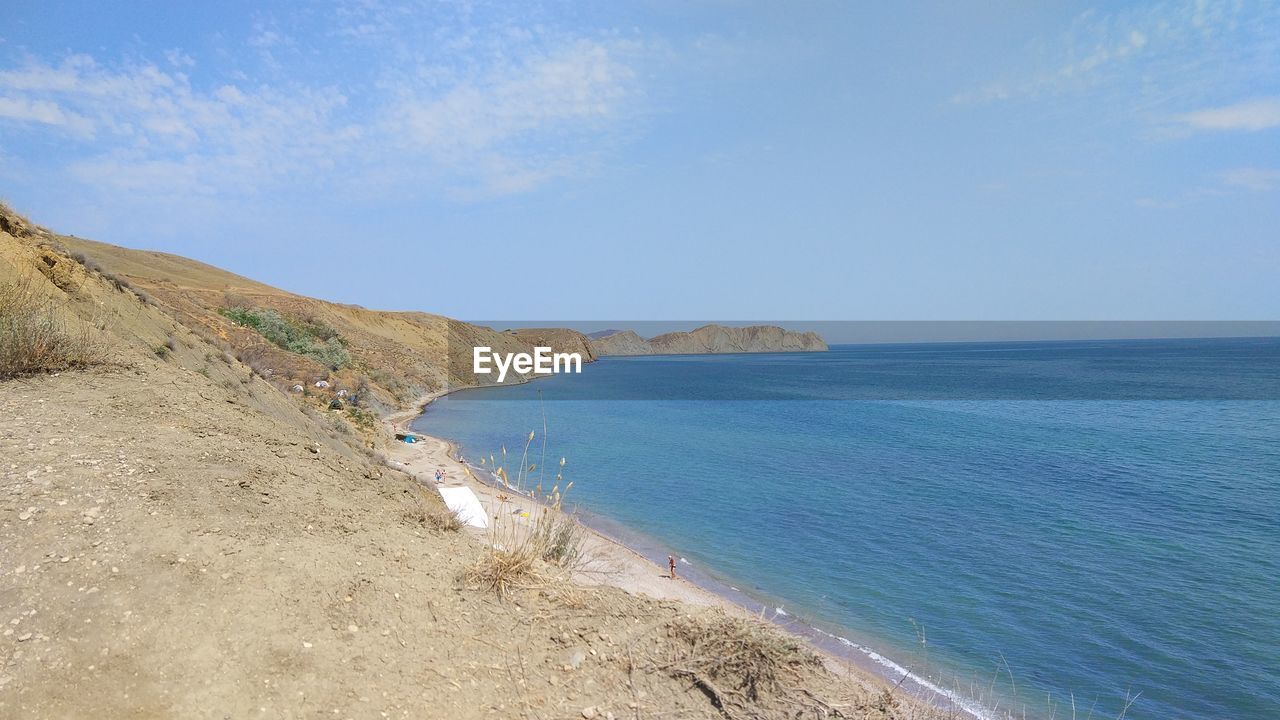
[[1051, 519]]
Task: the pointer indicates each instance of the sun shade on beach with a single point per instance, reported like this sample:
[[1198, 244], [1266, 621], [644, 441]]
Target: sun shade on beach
[[463, 502]]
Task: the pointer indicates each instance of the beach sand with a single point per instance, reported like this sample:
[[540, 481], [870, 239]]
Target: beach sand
[[610, 562]]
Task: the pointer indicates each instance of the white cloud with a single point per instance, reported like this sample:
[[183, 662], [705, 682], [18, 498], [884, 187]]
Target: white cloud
[[1135, 61], [504, 113], [1250, 115], [150, 125], [45, 112], [1155, 204], [1219, 186], [564, 99], [1253, 179]]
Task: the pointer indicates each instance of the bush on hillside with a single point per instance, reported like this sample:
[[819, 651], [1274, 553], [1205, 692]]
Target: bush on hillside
[[33, 338], [309, 338]]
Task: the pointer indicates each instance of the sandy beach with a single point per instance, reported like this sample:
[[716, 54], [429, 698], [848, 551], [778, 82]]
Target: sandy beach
[[610, 562]]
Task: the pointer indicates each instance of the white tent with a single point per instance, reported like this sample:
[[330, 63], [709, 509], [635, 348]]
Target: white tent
[[466, 505]]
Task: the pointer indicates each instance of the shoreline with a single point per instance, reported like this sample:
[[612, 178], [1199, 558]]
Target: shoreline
[[618, 564]]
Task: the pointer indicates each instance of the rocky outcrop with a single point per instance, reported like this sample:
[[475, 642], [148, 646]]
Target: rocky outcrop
[[558, 339], [626, 342], [710, 339]]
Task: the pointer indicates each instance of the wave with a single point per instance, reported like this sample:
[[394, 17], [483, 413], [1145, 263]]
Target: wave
[[968, 705]]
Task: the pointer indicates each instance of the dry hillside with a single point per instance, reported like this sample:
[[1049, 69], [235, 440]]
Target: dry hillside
[[561, 339], [182, 536], [398, 355]]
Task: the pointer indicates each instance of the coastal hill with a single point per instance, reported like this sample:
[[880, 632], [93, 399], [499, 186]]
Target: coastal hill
[[394, 357], [185, 534], [711, 339], [558, 339], [626, 342]]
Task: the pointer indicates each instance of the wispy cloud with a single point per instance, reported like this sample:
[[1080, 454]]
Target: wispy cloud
[[478, 114], [1252, 179], [152, 129], [486, 124], [1250, 115], [1143, 62], [44, 112], [1219, 185]]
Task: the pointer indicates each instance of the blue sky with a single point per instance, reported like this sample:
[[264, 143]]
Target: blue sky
[[808, 161]]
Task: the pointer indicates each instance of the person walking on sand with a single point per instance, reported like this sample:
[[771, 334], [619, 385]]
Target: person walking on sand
[[671, 564], [439, 475]]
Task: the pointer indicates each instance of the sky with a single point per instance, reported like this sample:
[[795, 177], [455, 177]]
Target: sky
[[670, 160]]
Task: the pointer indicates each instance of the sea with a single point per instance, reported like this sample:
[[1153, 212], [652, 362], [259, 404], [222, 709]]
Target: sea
[[1030, 529]]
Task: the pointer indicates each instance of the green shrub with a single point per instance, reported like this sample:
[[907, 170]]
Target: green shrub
[[310, 338], [361, 417]]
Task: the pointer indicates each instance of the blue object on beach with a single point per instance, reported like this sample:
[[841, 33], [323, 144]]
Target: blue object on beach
[[410, 439]]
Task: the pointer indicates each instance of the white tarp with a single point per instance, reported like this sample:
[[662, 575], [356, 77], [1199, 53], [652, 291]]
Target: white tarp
[[466, 505]]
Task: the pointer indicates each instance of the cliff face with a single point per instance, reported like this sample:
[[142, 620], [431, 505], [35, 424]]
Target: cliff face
[[710, 339]]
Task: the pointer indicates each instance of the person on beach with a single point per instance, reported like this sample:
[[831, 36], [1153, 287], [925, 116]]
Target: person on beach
[[439, 475], [671, 564]]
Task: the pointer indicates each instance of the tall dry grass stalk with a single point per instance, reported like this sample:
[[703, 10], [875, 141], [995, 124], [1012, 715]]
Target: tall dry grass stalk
[[533, 539], [34, 337]]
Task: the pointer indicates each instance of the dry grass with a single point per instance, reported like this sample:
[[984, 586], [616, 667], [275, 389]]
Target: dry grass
[[33, 336], [256, 357], [533, 541], [535, 555], [558, 538], [742, 664], [434, 514], [503, 571]]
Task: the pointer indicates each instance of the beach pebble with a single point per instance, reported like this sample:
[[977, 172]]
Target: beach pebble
[[576, 657], [590, 712]]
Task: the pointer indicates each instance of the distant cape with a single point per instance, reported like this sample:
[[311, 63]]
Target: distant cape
[[710, 339]]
